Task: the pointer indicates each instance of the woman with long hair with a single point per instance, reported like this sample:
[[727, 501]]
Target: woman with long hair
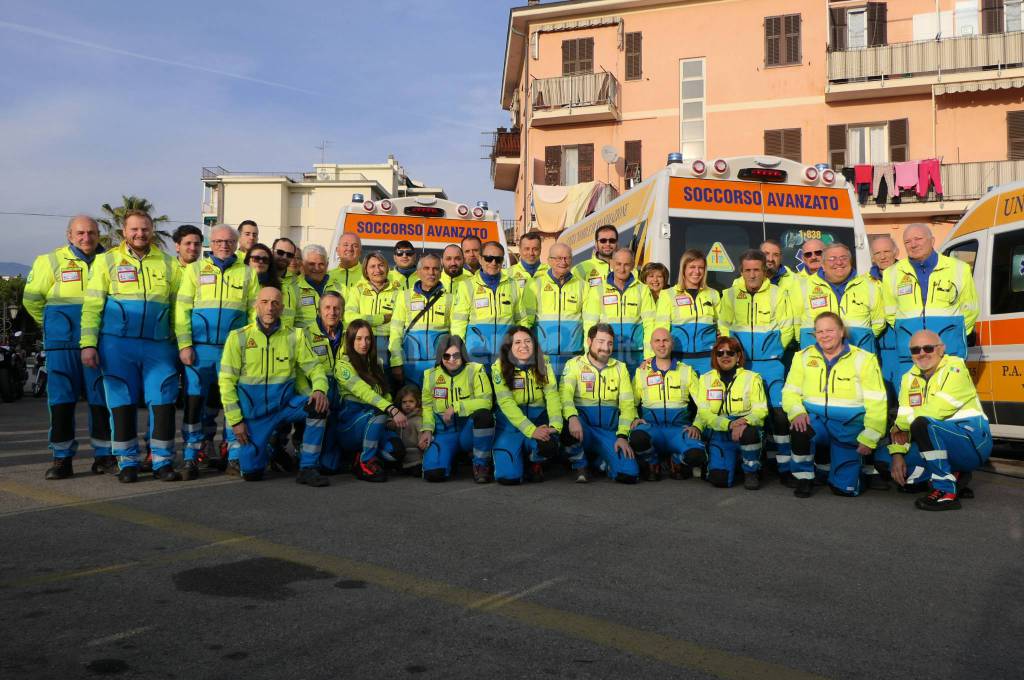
[[365, 406], [731, 408], [457, 416], [372, 299], [261, 260], [689, 310], [529, 409]]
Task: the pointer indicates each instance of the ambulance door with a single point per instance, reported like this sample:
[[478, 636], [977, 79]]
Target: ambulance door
[[1005, 347]]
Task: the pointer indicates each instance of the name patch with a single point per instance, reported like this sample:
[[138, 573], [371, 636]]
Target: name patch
[[307, 300], [320, 350], [519, 383], [683, 301], [907, 289], [207, 279], [611, 299], [655, 379], [916, 399], [595, 281], [127, 274], [440, 393], [69, 275], [416, 306], [716, 395], [818, 302], [480, 303]]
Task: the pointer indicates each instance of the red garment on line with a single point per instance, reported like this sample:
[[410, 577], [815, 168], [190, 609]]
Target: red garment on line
[[862, 174], [929, 171]]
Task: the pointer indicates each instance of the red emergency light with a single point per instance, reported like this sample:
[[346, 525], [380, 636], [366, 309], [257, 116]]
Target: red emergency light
[[763, 174], [424, 211]]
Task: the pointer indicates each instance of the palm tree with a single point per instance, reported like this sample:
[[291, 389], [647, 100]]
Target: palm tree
[[112, 222]]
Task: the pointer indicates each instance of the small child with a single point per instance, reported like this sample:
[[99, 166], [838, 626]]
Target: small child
[[408, 399]]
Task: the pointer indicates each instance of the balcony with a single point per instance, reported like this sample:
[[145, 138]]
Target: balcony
[[583, 98], [915, 67], [962, 183], [505, 158]]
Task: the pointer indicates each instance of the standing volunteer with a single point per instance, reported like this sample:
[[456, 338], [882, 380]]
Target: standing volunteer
[[690, 311], [421, 315], [486, 306], [553, 306]]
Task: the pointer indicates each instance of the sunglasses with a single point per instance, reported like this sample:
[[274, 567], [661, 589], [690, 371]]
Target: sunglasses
[[284, 253], [927, 349], [451, 356], [261, 259], [814, 253], [493, 259], [404, 253], [725, 353], [607, 240]]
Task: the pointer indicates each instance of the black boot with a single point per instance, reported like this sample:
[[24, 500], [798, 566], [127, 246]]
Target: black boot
[[61, 469]]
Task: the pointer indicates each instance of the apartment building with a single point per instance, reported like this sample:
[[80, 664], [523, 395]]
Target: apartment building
[[303, 206], [843, 82]]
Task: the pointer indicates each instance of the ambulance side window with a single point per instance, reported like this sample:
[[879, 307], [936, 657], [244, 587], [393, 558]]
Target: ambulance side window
[[1007, 287], [966, 251]]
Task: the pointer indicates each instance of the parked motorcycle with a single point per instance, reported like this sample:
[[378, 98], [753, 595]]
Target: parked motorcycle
[[13, 374], [39, 376]]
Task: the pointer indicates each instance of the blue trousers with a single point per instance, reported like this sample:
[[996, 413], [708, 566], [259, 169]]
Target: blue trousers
[[199, 423], [773, 374], [254, 456], [953, 446], [68, 381], [355, 429], [724, 454], [845, 467], [665, 439], [599, 445], [462, 436], [140, 371], [511, 445]]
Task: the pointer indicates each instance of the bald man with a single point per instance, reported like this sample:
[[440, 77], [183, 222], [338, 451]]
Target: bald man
[[929, 291], [941, 432], [553, 306], [811, 254], [349, 271]]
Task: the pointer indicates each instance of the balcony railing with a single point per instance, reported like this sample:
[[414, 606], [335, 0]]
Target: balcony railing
[[928, 57], [594, 96], [969, 181], [503, 152], [505, 143], [509, 227]]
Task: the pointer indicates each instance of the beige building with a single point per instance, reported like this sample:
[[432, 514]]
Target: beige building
[[302, 206]]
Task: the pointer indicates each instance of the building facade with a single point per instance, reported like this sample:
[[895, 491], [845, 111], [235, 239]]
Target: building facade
[[843, 82], [302, 206]]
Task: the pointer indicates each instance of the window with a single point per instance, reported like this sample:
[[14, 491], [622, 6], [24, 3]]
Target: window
[[857, 28], [865, 144], [568, 165], [966, 252], [577, 56], [1012, 16], [783, 143], [634, 56], [1015, 135], [634, 174], [868, 143], [691, 93], [782, 40], [1006, 289]]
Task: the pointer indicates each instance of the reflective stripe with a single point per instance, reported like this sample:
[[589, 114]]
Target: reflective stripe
[[938, 454]]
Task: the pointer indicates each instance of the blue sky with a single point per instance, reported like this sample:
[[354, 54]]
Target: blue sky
[[104, 98]]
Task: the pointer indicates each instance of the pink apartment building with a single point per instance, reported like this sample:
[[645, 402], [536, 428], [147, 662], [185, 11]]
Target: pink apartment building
[[843, 82]]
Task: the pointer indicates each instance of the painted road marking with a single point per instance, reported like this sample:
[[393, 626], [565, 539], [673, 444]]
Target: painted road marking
[[662, 648], [118, 636]]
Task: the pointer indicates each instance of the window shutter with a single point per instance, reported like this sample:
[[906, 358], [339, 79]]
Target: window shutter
[[877, 19], [633, 168], [586, 55], [586, 160], [568, 56], [773, 142], [991, 16], [772, 41], [791, 144], [552, 165], [899, 140], [837, 146], [634, 63], [792, 43], [837, 23], [1015, 135]]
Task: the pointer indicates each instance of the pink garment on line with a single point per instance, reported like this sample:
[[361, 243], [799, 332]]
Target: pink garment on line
[[907, 174], [928, 172], [862, 174]]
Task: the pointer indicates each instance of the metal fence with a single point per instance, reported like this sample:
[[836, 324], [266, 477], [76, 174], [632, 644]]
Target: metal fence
[[585, 89]]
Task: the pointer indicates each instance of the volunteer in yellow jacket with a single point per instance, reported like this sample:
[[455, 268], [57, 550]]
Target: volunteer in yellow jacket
[[350, 267], [834, 396], [486, 306], [458, 399], [529, 409], [731, 410], [453, 268], [313, 283], [403, 274], [689, 310], [127, 333], [216, 296], [258, 387], [553, 307], [421, 316], [595, 270], [941, 433], [53, 296], [372, 299], [285, 253], [626, 306], [599, 408], [529, 265]]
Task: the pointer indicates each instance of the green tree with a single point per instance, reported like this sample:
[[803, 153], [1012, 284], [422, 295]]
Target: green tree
[[112, 221]]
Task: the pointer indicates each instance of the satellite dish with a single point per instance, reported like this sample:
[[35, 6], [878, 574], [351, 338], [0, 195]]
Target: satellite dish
[[609, 154]]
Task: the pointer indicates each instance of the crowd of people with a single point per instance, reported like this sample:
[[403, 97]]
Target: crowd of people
[[823, 374]]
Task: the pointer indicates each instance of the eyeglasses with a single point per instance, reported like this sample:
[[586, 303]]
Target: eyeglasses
[[838, 258], [260, 259], [725, 353], [284, 253], [224, 242], [451, 356], [917, 349], [814, 253], [607, 240], [493, 259], [404, 253], [559, 258]]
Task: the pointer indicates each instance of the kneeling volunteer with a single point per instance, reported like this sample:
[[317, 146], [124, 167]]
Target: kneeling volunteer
[[529, 409], [457, 417], [941, 432]]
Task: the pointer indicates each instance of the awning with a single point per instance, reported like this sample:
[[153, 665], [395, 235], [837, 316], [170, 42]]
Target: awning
[[978, 86]]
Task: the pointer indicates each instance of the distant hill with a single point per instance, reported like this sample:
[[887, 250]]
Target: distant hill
[[14, 269]]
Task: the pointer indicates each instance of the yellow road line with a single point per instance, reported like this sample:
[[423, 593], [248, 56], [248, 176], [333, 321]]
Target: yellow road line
[[663, 648]]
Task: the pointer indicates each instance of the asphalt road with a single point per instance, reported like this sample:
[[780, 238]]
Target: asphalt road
[[220, 578]]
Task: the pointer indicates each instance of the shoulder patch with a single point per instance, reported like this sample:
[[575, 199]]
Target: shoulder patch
[[346, 373]]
